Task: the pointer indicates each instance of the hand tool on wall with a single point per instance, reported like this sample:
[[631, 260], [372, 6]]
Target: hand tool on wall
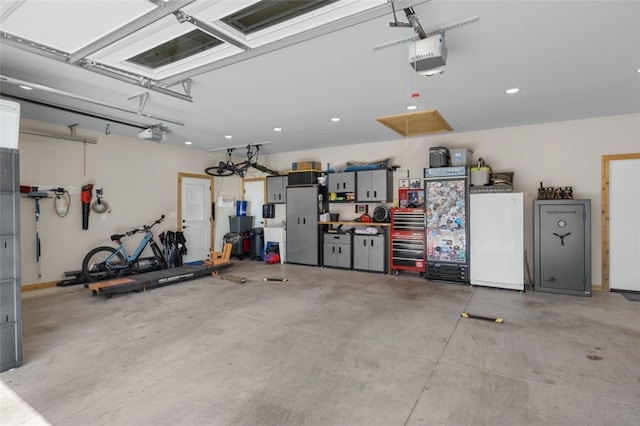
[[37, 196], [85, 197], [99, 205]]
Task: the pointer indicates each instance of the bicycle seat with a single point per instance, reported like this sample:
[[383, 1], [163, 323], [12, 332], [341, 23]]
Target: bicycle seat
[[117, 237]]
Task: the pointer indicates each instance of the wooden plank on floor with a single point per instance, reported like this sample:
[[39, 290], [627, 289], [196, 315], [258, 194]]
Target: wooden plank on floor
[[110, 283], [38, 286]]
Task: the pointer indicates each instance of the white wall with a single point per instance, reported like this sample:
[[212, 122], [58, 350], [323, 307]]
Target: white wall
[[140, 178], [558, 154]]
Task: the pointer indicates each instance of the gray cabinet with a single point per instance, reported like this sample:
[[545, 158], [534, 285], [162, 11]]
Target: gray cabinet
[[10, 307], [277, 189], [374, 185], [369, 252], [342, 182], [562, 246], [336, 251], [303, 234]]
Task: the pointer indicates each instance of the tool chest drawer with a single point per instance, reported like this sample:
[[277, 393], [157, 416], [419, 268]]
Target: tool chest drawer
[[407, 240]]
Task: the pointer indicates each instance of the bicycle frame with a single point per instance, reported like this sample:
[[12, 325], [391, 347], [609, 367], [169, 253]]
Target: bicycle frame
[[230, 168], [130, 259], [148, 236]]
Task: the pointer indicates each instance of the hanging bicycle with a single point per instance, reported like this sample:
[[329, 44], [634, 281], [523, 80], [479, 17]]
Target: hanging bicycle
[[229, 168]]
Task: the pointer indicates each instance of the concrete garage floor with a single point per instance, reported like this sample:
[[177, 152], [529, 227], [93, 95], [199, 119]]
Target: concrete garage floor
[[329, 347]]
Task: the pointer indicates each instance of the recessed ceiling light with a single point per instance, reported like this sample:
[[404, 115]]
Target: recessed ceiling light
[[411, 107], [277, 129], [188, 142], [228, 136], [512, 90], [335, 119], [25, 87]]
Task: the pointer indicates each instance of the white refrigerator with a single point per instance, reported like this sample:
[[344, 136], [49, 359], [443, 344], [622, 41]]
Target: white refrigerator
[[496, 253]]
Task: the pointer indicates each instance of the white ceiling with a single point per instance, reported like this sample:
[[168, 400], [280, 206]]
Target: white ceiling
[[571, 59]]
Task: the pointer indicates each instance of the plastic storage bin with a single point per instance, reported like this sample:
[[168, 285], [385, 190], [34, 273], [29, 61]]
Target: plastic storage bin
[[460, 157], [240, 224]]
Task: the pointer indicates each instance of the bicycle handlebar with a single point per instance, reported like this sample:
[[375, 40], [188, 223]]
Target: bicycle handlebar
[[144, 228]]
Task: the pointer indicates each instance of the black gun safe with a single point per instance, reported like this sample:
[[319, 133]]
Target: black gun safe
[[562, 246]]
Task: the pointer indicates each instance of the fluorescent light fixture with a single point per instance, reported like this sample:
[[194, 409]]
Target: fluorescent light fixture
[[25, 87], [411, 107], [277, 129], [335, 119], [188, 142], [228, 136], [512, 91]]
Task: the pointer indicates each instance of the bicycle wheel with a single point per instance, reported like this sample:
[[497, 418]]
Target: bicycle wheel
[[221, 170], [94, 267]]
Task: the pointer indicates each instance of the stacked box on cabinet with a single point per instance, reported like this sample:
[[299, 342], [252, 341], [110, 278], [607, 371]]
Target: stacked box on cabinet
[[306, 165], [308, 177]]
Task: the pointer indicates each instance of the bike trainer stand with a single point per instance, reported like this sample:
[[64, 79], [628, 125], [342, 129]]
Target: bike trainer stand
[[149, 280]]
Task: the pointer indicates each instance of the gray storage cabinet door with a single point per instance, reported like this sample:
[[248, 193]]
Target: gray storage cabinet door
[[360, 252], [379, 185], [302, 225], [342, 182], [10, 295], [368, 252], [374, 185], [343, 253], [329, 257], [276, 189], [376, 253]]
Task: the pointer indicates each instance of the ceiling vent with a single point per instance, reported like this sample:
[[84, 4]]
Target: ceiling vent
[[428, 54]]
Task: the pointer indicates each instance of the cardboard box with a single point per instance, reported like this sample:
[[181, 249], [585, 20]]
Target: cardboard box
[[306, 165]]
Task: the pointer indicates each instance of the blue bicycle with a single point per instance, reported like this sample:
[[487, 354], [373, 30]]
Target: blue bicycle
[[107, 262]]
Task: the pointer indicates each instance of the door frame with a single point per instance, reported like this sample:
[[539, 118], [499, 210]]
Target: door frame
[[179, 202], [255, 179], [264, 188], [605, 212]]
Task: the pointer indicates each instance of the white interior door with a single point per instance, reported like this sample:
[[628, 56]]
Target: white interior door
[[254, 194], [624, 227], [196, 217]]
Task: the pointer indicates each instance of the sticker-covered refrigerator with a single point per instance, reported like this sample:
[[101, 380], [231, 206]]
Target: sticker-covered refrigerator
[[447, 226]]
